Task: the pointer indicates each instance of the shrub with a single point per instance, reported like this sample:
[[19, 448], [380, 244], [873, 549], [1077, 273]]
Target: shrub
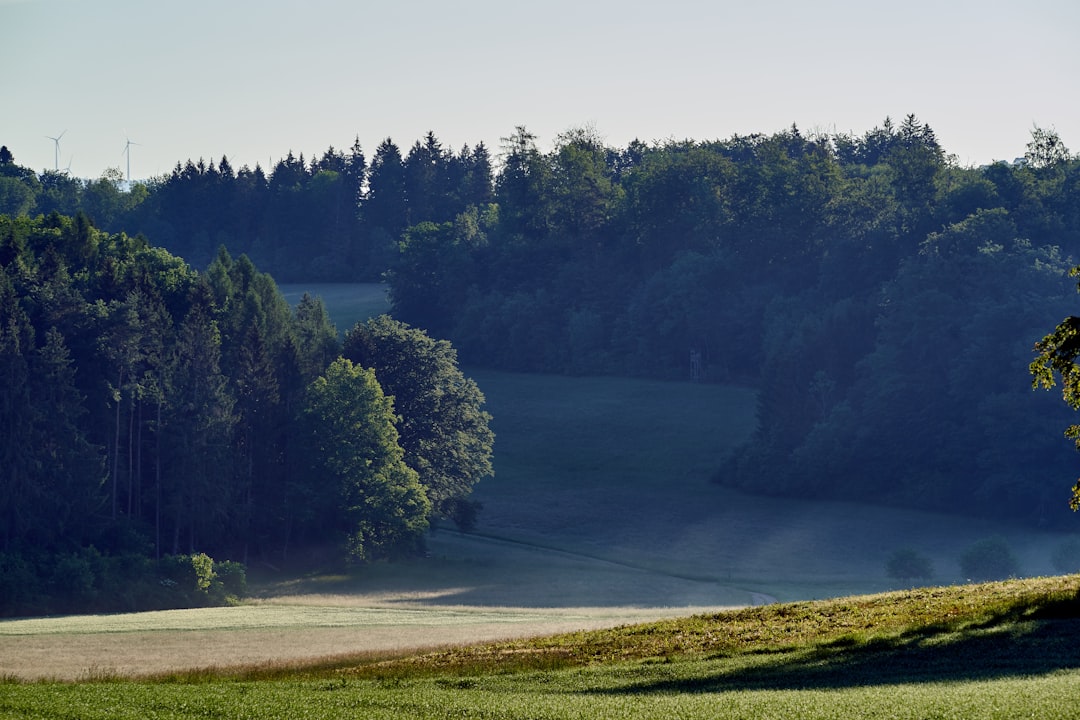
[[203, 565], [907, 564], [194, 580], [1066, 557], [73, 578], [21, 590], [230, 582], [989, 559], [82, 580], [463, 512], [129, 583], [188, 577]]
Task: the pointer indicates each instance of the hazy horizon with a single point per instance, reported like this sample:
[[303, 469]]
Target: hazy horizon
[[254, 81]]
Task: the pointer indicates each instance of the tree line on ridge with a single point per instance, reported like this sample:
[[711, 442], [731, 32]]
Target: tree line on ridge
[[883, 298]]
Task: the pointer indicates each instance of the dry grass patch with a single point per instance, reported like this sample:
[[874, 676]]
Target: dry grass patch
[[274, 634]]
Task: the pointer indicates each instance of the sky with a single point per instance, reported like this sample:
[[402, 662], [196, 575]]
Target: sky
[[255, 79]]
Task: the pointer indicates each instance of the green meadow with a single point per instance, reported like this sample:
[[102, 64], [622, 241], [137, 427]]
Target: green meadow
[[607, 577], [999, 650]]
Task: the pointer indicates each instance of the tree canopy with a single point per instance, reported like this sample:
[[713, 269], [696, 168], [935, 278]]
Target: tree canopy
[[149, 409], [443, 429], [881, 297], [375, 501], [1057, 356]]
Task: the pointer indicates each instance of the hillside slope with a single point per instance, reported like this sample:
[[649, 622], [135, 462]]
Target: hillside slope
[[619, 469]]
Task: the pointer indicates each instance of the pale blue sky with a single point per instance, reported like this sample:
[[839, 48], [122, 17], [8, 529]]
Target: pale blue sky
[[253, 79]]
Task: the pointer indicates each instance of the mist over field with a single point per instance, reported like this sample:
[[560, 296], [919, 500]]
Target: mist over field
[[587, 523], [620, 470]]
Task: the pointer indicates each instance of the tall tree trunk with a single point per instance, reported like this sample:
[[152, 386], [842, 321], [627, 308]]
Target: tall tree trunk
[[131, 456], [157, 482], [116, 446], [138, 461]]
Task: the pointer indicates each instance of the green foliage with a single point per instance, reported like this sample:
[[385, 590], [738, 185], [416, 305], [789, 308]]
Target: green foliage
[[189, 576], [197, 580], [989, 559], [1045, 149], [443, 429], [909, 288], [1002, 649], [203, 567], [907, 564], [21, 591], [151, 410], [928, 364], [373, 502], [86, 581], [229, 582], [1057, 355]]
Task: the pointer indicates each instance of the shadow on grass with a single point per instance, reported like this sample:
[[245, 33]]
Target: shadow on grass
[[995, 651]]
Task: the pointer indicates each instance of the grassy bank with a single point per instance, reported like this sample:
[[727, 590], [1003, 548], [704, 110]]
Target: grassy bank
[[1003, 650], [619, 469]]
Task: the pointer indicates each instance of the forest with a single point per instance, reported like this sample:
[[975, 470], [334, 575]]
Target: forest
[[167, 425], [882, 299]]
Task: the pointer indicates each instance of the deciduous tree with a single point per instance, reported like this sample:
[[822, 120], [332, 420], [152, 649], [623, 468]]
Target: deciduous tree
[[363, 493], [443, 428]]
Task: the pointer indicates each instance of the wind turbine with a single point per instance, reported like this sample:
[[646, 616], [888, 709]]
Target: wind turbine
[[127, 151], [56, 143]]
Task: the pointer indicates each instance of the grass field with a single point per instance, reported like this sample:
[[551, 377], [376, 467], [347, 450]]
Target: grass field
[[601, 514], [618, 469], [1001, 650]]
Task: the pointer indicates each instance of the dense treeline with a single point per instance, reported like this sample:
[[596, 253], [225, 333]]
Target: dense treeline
[[335, 218], [148, 409], [884, 299]]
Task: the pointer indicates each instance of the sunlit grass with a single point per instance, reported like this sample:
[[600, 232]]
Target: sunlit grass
[[1001, 650], [269, 616], [897, 618], [280, 632]]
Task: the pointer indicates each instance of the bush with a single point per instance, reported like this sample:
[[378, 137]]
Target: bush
[[203, 565], [230, 582], [196, 580], [73, 579], [907, 564], [21, 591], [129, 583], [188, 577], [85, 580], [989, 559], [1066, 557], [463, 512]]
